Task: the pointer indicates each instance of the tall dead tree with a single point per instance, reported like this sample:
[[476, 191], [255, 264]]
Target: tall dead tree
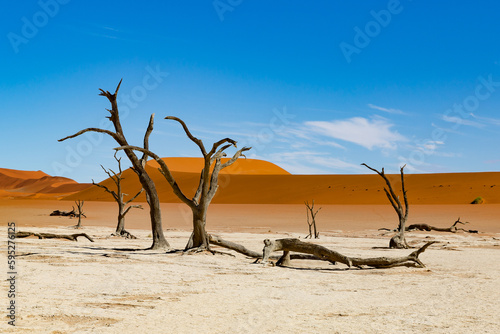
[[207, 186], [312, 221], [118, 196], [399, 240], [79, 205], [139, 165]]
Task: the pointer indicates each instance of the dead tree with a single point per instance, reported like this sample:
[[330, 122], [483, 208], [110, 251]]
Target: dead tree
[[397, 241], [79, 205], [71, 213], [72, 237], [207, 186], [453, 228], [218, 241], [118, 196], [295, 245], [139, 165], [311, 222]]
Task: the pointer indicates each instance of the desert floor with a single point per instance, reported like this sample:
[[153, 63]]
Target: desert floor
[[83, 287]]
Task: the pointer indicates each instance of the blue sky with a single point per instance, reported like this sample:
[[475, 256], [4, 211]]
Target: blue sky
[[315, 87]]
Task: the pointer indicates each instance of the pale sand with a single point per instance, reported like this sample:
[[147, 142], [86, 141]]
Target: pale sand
[[84, 287]]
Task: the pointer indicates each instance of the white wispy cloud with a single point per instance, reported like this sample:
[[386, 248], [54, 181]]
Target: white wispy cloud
[[488, 120], [388, 110], [462, 121], [308, 162], [374, 133]]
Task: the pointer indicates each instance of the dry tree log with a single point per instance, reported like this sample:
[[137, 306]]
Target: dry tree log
[[207, 186], [426, 227], [218, 241], [72, 237], [399, 240], [118, 196], [139, 165], [295, 245], [453, 228], [71, 213]]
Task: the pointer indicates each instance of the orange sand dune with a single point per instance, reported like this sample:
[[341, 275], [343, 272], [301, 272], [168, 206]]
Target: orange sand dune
[[241, 166], [260, 182], [30, 184]]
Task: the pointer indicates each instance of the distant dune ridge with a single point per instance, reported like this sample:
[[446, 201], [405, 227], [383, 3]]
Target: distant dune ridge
[[36, 184], [252, 181]]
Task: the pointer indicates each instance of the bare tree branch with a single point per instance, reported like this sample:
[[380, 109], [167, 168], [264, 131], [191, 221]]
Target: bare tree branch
[[404, 191], [146, 138], [138, 206], [133, 198], [112, 192], [235, 157], [188, 133], [220, 142], [112, 134], [163, 169]]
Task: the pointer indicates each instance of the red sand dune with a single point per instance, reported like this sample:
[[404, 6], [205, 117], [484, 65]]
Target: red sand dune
[[259, 182], [35, 184]]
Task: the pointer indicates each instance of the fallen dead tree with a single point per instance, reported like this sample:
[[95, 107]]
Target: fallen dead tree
[[72, 237], [71, 213], [295, 245], [426, 227], [218, 241]]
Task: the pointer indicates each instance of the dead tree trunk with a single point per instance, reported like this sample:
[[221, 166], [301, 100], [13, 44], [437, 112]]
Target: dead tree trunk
[[452, 229], [397, 241], [72, 237], [295, 245], [218, 241], [207, 186], [199, 236], [79, 205], [118, 196], [139, 166], [311, 222]]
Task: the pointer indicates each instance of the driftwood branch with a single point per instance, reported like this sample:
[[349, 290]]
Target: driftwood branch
[[295, 245], [72, 237]]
